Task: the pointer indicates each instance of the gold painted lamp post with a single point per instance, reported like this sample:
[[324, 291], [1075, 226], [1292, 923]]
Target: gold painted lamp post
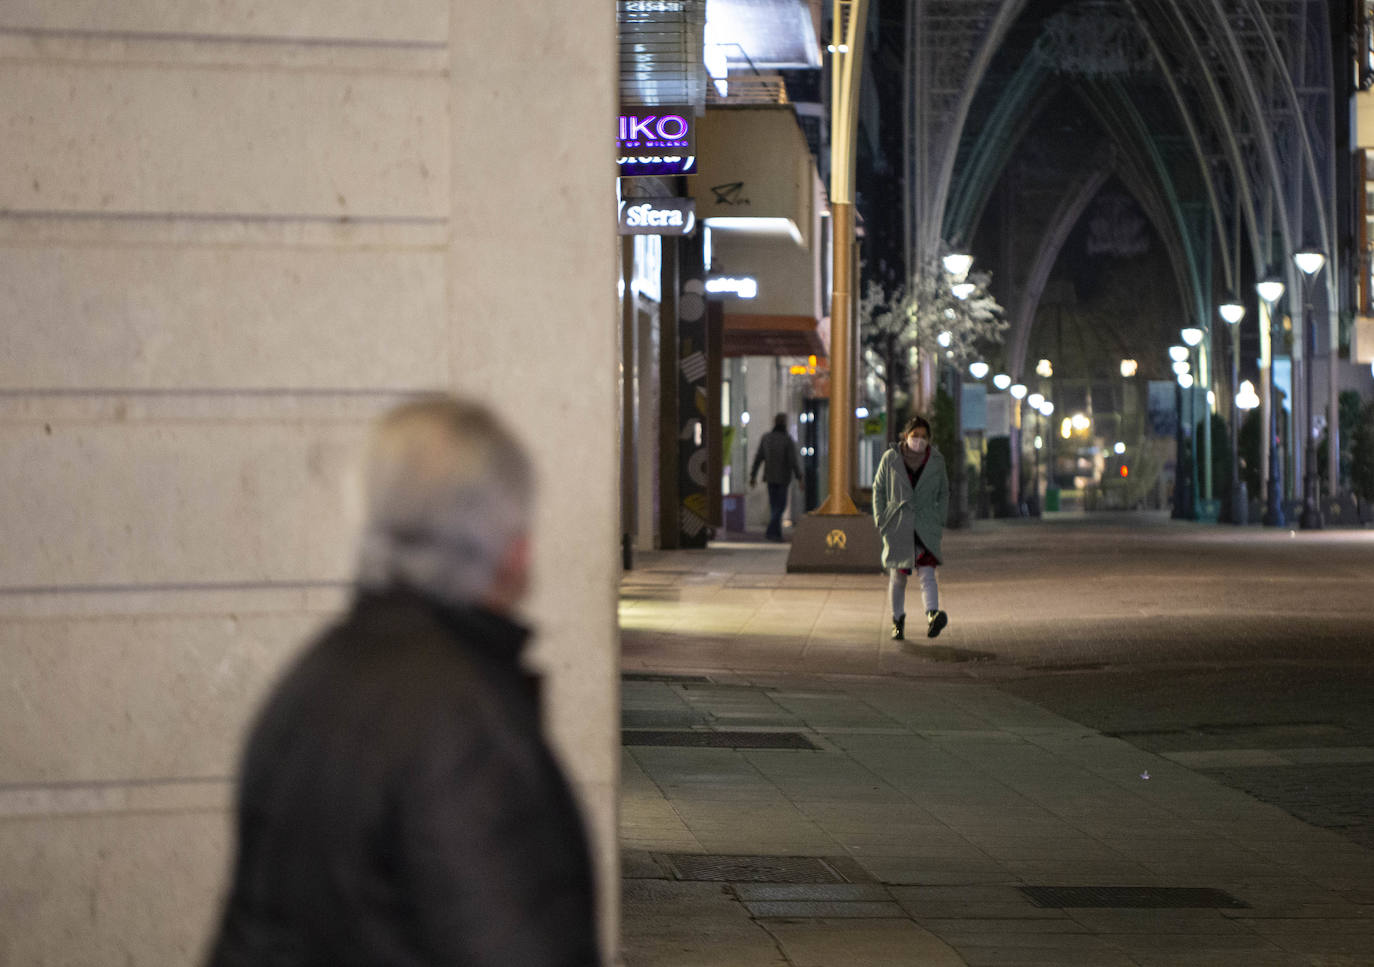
[[836, 537], [846, 58]]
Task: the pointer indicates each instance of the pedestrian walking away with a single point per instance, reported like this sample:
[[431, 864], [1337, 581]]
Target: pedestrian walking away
[[910, 502], [397, 803], [781, 462]]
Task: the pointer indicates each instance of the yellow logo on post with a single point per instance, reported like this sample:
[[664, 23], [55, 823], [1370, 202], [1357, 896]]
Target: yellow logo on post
[[836, 540]]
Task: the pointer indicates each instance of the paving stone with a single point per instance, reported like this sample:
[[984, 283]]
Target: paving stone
[[868, 943], [1003, 775]]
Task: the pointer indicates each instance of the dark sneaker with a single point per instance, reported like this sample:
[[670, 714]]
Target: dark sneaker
[[936, 621], [899, 628]]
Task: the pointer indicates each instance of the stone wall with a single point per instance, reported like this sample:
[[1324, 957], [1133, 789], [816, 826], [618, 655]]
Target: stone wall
[[231, 233]]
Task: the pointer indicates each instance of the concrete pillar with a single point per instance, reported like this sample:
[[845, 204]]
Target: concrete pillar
[[230, 234]]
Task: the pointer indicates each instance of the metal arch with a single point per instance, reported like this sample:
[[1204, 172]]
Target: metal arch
[[994, 145], [1231, 259], [1154, 186], [1291, 95], [1255, 108], [1066, 216], [1325, 219], [935, 217], [962, 35], [1247, 191]]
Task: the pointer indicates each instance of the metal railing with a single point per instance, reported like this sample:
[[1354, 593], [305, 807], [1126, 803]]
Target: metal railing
[[750, 89]]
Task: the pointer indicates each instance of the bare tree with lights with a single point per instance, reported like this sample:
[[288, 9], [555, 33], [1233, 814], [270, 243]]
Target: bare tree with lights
[[906, 330]]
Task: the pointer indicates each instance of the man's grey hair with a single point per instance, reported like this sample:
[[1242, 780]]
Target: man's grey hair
[[448, 491]]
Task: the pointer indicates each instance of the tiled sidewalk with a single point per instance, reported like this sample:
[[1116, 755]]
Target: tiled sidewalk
[[933, 803], [929, 800]]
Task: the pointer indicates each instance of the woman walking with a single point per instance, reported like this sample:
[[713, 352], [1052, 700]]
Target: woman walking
[[910, 501]]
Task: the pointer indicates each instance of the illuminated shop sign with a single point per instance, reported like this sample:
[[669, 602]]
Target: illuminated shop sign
[[658, 165], [656, 141], [742, 287], [658, 216], [651, 6]]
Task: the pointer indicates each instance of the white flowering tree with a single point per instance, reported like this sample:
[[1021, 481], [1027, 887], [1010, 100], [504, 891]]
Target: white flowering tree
[[906, 330]]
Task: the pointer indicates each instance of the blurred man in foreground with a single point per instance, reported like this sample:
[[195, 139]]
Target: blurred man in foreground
[[398, 805]]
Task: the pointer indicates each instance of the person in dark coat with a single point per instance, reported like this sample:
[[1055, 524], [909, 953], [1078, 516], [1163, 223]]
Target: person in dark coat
[[781, 462], [397, 804]]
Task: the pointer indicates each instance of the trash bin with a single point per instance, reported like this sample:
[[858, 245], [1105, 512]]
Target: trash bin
[[732, 508], [1051, 498]]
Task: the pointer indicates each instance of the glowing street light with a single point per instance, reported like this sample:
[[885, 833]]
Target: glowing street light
[[1001, 381], [1191, 335], [1271, 291], [978, 369], [1310, 261], [1231, 311], [1018, 391], [957, 264]]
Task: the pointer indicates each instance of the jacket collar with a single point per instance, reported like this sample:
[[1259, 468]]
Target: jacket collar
[[478, 628]]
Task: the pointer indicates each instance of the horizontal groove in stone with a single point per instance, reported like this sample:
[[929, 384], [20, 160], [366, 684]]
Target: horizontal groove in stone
[[701, 739], [1133, 897]]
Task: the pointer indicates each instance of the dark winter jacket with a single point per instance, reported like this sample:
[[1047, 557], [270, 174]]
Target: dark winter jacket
[[398, 805], [781, 462]]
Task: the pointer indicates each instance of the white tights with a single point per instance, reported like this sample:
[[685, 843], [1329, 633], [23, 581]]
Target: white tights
[[896, 589]]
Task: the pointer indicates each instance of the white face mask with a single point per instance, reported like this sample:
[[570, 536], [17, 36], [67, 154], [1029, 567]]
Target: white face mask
[[917, 444]]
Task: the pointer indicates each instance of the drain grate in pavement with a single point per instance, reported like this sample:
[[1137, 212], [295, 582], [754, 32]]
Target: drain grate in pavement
[[701, 739], [1124, 897], [752, 869], [670, 679]]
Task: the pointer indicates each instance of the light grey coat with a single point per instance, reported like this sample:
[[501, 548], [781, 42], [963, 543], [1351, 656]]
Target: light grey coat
[[901, 514]]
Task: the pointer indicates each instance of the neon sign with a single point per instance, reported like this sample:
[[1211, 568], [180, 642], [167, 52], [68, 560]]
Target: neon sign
[[656, 141]]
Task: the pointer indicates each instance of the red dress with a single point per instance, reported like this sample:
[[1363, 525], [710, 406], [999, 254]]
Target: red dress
[[925, 558]]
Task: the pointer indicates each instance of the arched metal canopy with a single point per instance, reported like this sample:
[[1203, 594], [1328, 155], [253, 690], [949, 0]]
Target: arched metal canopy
[[1249, 111]]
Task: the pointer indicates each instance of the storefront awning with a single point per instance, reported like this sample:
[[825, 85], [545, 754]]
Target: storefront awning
[[753, 335]]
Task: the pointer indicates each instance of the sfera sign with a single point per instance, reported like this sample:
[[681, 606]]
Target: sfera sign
[[658, 216], [656, 141]]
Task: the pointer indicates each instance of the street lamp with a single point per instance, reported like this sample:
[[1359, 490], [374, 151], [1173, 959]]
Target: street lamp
[[1001, 381], [1310, 261], [1232, 312], [1192, 337], [1271, 291], [978, 369], [957, 265], [1183, 488]]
